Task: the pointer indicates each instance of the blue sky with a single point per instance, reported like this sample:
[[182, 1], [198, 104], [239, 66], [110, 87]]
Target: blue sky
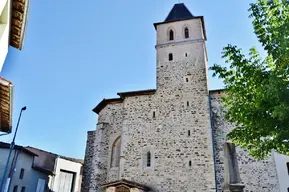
[[75, 54]]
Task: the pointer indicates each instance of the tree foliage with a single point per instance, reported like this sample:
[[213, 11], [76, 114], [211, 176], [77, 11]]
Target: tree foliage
[[257, 90]]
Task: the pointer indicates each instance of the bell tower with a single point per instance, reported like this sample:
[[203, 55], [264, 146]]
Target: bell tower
[[183, 98], [181, 50]]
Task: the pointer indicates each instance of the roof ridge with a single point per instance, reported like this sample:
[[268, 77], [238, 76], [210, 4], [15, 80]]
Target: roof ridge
[[41, 150], [57, 155]]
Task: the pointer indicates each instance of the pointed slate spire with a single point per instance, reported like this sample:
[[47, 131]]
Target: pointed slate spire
[[179, 12]]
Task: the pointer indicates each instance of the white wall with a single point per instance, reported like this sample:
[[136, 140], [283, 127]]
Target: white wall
[[24, 161], [62, 164], [4, 29], [282, 171]]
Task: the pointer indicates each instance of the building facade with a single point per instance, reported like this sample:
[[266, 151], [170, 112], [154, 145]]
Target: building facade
[[13, 19], [66, 172], [22, 174], [169, 138], [68, 176]]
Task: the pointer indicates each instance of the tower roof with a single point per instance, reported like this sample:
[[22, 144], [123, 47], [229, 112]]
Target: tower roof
[[179, 12]]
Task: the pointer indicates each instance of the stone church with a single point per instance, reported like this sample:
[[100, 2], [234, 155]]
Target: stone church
[[170, 138]]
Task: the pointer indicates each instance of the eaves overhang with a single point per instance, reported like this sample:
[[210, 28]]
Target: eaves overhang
[[6, 105], [19, 16]]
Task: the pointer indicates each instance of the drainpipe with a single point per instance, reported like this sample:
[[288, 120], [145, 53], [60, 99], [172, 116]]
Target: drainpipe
[[213, 142]]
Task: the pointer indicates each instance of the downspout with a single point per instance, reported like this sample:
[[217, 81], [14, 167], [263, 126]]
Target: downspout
[[213, 142]]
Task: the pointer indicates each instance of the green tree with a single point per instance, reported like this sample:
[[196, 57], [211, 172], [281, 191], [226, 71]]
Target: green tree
[[257, 90]]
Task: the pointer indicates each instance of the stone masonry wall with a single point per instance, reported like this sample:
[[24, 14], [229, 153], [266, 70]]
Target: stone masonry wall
[[89, 156], [179, 136], [173, 124], [258, 176], [97, 168]]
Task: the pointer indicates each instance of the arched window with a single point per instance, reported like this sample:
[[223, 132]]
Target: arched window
[[148, 159], [170, 57], [171, 35], [115, 153], [187, 33]]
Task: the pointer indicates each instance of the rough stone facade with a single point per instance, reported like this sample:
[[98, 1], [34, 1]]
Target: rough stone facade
[[256, 175], [174, 124]]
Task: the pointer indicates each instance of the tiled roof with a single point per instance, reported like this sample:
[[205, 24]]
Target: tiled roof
[[122, 95], [136, 93], [104, 103], [51, 156], [18, 147]]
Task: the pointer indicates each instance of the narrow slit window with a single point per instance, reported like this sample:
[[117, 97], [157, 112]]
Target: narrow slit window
[[288, 168], [154, 114], [171, 35], [186, 33], [148, 159], [186, 55], [170, 57], [189, 133], [190, 163], [187, 79], [188, 104], [21, 174]]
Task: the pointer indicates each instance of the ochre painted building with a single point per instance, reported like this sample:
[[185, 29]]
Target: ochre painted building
[[171, 138]]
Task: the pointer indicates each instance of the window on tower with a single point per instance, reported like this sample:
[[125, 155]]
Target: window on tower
[[148, 159], [186, 33], [170, 57], [171, 35]]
